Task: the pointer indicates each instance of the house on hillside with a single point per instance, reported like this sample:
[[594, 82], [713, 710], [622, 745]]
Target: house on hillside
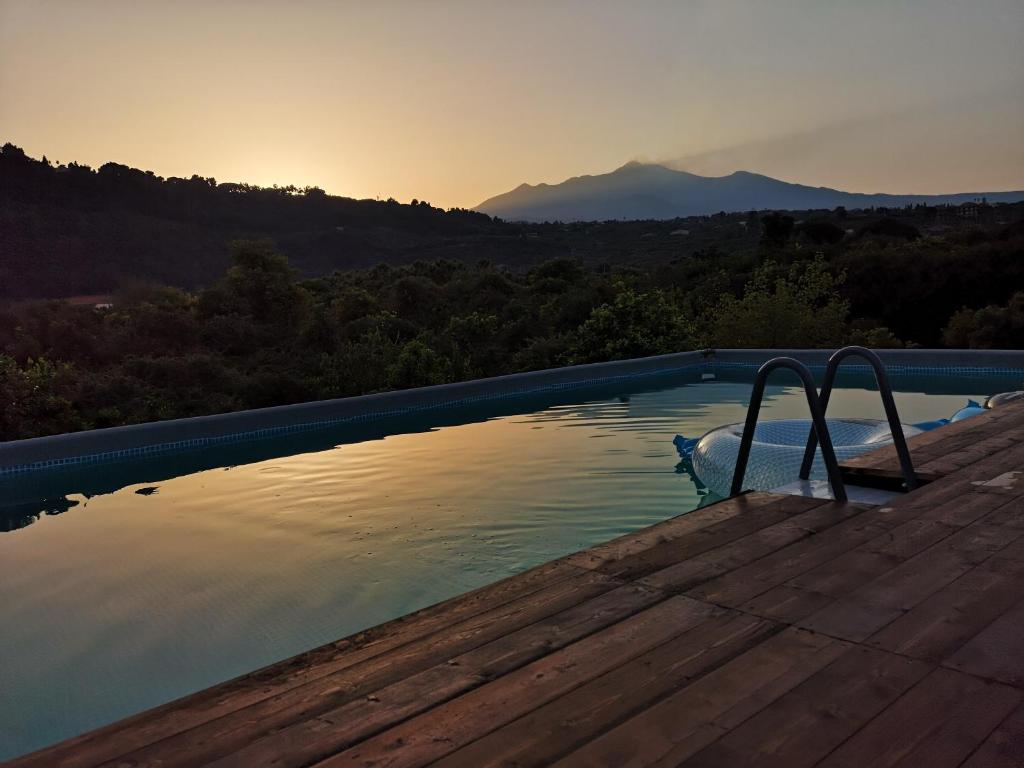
[[969, 211]]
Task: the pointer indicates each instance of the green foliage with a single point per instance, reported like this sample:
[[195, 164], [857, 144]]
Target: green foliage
[[893, 228], [990, 327], [873, 337], [914, 287], [34, 398], [260, 285], [418, 366], [821, 231], [633, 325], [801, 308], [776, 229]]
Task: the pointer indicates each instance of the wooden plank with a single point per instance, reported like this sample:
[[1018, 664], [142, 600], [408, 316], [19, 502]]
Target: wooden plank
[[547, 733], [983, 435], [938, 723], [927, 497], [1005, 462], [548, 606], [456, 723], [682, 724], [867, 609], [177, 716], [743, 584], [798, 598], [787, 604], [927, 521], [640, 541], [329, 732], [638, 554], [806, 724], [883, 477], [1010, 515], [903, 534], [940, 625], [962, 509], [1004, 746], [696, 569], [995, 652], [911, 538], [966, 458], [846, 572]]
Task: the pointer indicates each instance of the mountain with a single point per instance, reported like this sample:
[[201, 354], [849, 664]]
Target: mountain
[[648, 191]]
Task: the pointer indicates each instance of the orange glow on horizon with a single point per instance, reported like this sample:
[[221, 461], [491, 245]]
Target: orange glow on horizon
[[456, 102]]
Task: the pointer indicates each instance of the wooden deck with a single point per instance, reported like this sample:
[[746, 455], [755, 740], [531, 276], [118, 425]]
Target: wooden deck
[[763, 630]]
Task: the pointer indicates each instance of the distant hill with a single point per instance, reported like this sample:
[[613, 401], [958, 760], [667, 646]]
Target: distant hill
[[648, 191], [69, 230]]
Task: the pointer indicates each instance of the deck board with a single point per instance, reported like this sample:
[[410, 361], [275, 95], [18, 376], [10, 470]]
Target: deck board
[[938, 723], [763, 630]]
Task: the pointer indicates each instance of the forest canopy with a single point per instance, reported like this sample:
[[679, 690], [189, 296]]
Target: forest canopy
[[262, 336]]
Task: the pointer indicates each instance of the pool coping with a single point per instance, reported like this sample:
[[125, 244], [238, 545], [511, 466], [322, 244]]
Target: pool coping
[[19, 457]]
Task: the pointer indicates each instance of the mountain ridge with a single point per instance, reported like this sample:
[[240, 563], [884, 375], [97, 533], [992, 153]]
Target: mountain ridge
[[638, 190]]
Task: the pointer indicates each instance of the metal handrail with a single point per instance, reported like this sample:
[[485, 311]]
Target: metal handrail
[[819, 427], [888, 403]]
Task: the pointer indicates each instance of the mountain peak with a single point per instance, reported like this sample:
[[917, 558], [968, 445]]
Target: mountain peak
[[639, 190]]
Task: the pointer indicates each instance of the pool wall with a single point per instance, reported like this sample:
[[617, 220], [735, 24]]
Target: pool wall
[[946, 362], [18, 457]]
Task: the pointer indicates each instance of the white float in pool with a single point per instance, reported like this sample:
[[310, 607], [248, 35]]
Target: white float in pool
[[778, 450]]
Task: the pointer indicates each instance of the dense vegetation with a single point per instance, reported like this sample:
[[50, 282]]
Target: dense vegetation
[[263, 334], [71, 230]]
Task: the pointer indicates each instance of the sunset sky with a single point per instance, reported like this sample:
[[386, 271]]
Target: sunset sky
[[454, 102]]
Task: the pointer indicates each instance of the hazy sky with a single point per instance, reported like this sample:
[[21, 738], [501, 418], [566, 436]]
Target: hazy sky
[[453, 102]]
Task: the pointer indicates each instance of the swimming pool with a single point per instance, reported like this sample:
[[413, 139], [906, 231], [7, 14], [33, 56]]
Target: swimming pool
[[164, 575]]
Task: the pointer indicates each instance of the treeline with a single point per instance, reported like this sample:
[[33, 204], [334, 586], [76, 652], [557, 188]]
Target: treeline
[[263, 336], [71, 229]]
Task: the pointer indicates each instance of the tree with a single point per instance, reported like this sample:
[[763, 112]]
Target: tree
[[892, 228], [821, 232], [634, 325], [802, 308], [776, 229], [992, 327], [418, 366], [260, 285], [35, 399]]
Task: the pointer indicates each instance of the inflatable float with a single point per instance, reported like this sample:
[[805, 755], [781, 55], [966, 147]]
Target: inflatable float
[[778, 448], [1003, 398]]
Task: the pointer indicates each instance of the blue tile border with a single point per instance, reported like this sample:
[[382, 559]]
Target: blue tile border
[[893, 369]]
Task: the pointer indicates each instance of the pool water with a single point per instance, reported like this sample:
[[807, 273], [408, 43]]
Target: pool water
[[171, 574]]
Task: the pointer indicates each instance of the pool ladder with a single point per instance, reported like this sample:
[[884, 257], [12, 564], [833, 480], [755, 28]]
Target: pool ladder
[[818, 404]]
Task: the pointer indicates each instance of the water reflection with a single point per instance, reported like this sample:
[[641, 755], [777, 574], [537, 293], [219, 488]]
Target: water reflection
[[16, 516], [25, 500]]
